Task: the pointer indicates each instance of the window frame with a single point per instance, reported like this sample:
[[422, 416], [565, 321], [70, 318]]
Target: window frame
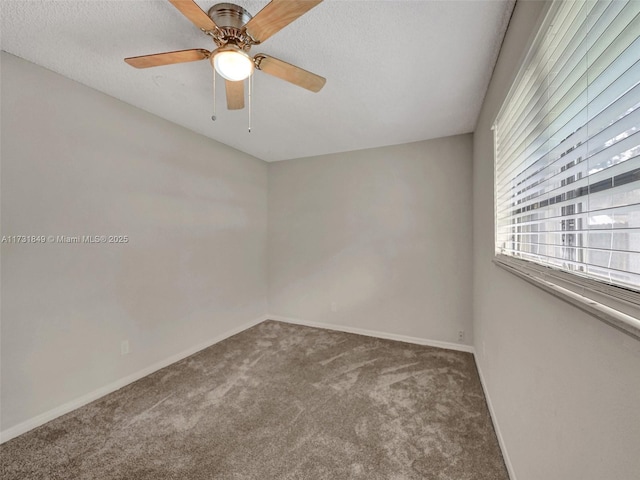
[[613, 304]]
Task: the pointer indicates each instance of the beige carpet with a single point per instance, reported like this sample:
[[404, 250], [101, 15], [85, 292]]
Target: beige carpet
[[278, 401]]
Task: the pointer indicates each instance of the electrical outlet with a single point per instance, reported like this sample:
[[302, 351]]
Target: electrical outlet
[[460, 335], [334, 307], [124, 347]]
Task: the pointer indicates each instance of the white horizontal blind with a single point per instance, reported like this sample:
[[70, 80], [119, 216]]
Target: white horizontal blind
[[567, 146]]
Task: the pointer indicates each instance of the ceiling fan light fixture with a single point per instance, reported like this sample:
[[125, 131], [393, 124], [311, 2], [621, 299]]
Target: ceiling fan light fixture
[[232, 63]]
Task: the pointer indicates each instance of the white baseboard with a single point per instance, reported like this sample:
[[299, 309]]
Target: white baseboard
[[496, 427], [373, 333], [45, 417]]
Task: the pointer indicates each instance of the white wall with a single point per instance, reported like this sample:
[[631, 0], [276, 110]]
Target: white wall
[[384, 233], [77, 162], [564, 386]]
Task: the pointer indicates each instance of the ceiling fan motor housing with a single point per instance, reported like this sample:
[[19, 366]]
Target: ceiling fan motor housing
[[229, 15], [230, 19]]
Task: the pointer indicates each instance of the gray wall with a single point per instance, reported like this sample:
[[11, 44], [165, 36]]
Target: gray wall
[[77, 162], [564, 386], [384, 233]]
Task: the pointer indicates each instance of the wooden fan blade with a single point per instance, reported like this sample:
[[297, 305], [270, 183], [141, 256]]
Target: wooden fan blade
[[193, 12], [290, 73], [277, 15], [235, 94], [168, 58]]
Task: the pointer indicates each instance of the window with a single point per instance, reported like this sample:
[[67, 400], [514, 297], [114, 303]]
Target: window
[[567, 150]]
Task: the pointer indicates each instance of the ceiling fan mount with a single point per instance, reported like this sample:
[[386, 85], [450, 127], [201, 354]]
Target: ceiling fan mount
[[229, 15], [234, 31], [229, 19]]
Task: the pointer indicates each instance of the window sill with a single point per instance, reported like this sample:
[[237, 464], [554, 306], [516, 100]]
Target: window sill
[[606, 309]]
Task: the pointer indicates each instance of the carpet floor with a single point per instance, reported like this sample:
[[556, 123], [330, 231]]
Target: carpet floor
[[278, 401]]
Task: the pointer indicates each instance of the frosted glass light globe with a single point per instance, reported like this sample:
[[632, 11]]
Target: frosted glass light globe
[[233, 65]]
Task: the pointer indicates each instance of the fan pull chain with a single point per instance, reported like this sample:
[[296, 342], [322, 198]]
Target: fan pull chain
[[250, 84], [213, 117]]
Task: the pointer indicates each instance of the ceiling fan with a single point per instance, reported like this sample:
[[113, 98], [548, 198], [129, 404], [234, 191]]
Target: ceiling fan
[[235, 31]]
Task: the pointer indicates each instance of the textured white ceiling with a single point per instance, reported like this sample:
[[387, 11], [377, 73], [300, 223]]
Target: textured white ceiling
[[397, 71]]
